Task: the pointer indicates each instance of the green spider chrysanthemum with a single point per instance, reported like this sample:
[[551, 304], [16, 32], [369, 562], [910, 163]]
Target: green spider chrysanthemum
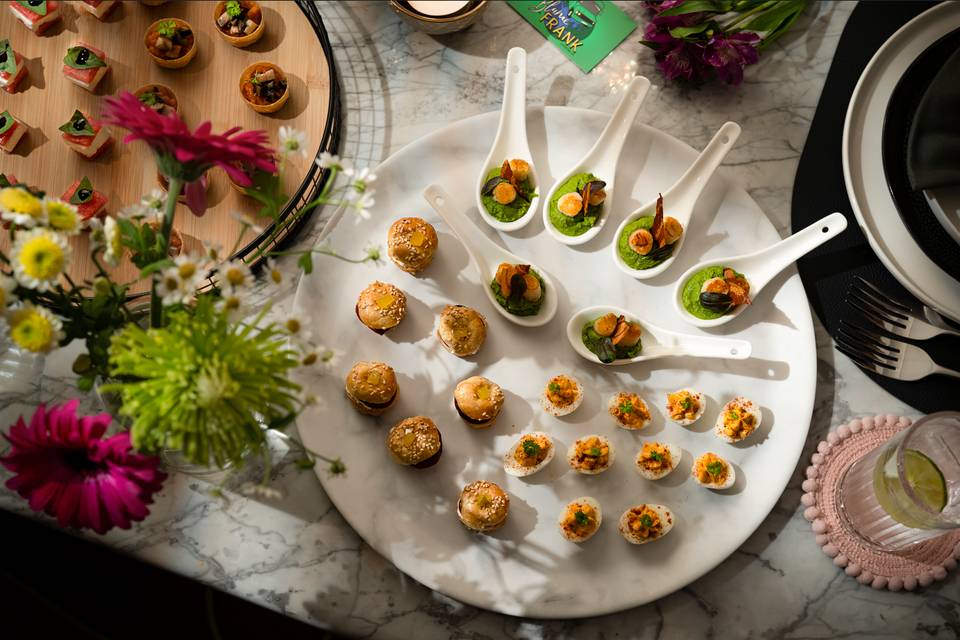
[[202, 384]]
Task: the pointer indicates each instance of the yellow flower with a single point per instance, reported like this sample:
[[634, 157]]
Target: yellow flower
[[62, 216], [39, 257], [20, 207], [35, 328]]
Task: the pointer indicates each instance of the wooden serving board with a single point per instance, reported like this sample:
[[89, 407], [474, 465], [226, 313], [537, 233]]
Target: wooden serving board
[[207, 88]]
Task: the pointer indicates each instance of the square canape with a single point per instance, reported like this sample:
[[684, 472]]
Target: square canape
[[11, 130], [37, 15], [85, 136], [90, 203], [99, 9], [12, 69], [85, 66]]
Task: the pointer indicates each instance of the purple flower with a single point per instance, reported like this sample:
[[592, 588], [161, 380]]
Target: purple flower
[[729, 54]]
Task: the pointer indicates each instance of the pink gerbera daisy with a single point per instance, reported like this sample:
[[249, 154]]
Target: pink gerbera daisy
[[64, 466]]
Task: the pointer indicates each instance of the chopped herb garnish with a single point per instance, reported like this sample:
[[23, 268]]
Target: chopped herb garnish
[[149, 98], [593, 452], [581, 518], [686, 403], [646, 520], [553, 387], [233, 8], [733, 415], [531, 448], [626, 406], [715, 468], [167, 29], [656, 456]]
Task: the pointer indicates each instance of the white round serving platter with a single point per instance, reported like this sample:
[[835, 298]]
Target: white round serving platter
[[526, 568], [863, 161]]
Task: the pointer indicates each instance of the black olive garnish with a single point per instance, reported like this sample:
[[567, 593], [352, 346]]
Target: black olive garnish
[[84, 194], [718, 302], [83, 56], [80, 124], [3, 57], [3, 121], [35, 3]]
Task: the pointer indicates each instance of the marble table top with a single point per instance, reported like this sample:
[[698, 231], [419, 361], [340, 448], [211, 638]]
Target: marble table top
[[295, 553]]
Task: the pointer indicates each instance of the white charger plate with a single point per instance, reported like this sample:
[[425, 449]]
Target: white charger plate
[[527, 568], [863, 161]]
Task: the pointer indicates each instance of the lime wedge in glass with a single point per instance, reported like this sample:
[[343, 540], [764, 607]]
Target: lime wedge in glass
[[926, 482]]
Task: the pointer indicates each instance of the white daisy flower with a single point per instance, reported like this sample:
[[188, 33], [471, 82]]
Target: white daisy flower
[[247, 221], [213, 251], [39, 256], [310, 399], [257, 490], [234, 274], [360, 202], [332, 161], [61, 216], [233, 302], [7, 287], [35, 328], [293, 141], [113, 248], [171, 288], [329, 357], [155, 201], [21, 207], [294, 325], [360, 178], [274, 274]]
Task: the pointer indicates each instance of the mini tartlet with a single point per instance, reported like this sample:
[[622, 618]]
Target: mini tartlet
[[562, 395], [264, 87], [657, 460], [529, 454], [580, 519], [478, 401], [628, 411], [483, 506], [645, 523], [372, 387], [411, 243], [685, 406], [381, 306], [737, 420], [461, 330], [415, 442], [713, 472], [591, 455], [158, 97], [239, 22], [171, 43]]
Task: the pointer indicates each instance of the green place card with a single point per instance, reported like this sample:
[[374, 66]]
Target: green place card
[[585, 30]]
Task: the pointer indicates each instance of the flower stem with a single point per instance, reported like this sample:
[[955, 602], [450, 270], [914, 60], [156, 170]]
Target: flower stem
[[173, 190], [746, 14]]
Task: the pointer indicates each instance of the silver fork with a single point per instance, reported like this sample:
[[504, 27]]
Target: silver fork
[[918, 322], [886, 356]]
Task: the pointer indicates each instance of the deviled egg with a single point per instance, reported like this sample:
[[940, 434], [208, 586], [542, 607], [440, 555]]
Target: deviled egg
[[628, 411], [737, 420], [580, 519], [531, 453], [590, 455], [685, 406], [562, 395], [645, 523], [657, 459], [713, 472]]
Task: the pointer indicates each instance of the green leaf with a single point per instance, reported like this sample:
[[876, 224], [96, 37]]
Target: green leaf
[[304, 463], [78, 125], [282, 422], [305, 262], [6, 123], [84, 192], [85, 383], [39, 8], [80, 57], [8, 59], [786, 22], [686, 32], [697, 6], [773, 17], [149, 98], [154, 267]]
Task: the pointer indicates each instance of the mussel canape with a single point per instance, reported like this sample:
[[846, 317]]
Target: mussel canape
[[372, 387], [611, 337], [519, 289], [685, 406], [577, 204], [508, 190], [11, 131], [562, 395], [628, 411], [381, 306], [713, 472], [461, 330], [645, 523], [657, 459], [714, 291], [737, 420], [415, 442], [171, 43], [649, 240], [591, 455], [411, 243], [239, 22], [264, 87], [478, 401], [158, 97], [580, 519], [483, 506], [529, 454], [12, 67]]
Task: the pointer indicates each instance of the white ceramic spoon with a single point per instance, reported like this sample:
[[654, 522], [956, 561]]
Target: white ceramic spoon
[[602, 160], [679, 199], [510, 142], [762, 266], [657, 342], [487, 256]]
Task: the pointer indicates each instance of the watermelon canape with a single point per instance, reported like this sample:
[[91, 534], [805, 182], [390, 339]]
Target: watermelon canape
[[12, 69], [11, 130], [85, 136], [90, 203], [99, 9], [36, 14], [85, 66]]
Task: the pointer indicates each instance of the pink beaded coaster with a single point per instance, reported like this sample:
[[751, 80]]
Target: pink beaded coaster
[[927, 561]]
